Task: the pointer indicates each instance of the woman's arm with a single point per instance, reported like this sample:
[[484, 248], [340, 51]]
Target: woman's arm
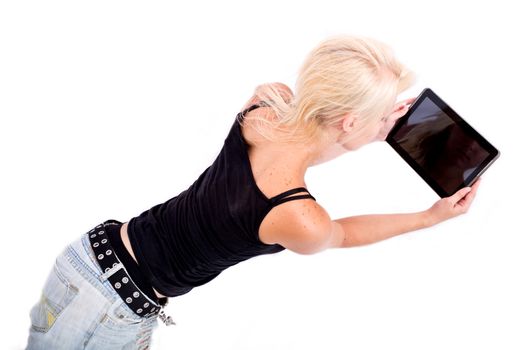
[[307, 228], [367, 229]]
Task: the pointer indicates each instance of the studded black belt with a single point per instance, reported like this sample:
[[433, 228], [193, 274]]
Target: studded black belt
[[116, 274]]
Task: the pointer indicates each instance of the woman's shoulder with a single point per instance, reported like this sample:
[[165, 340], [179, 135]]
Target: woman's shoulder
[[302, 226]]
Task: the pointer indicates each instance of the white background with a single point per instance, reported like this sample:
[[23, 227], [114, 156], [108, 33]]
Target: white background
[[110, 107]]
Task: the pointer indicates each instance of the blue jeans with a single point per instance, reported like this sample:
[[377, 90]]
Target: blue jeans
[[79, 309]]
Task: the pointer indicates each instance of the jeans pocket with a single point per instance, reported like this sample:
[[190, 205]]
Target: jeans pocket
[[56, 295], [121, 314]]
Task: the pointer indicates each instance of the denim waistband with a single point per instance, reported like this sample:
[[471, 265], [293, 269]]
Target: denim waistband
[[111, 282]]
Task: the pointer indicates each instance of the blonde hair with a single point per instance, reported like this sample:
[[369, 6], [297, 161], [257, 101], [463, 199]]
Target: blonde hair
[[343, 74]]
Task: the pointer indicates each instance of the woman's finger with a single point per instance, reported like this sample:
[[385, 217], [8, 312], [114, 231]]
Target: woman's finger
[[408, 101], [459, 195], [466, 201], [476, 184]]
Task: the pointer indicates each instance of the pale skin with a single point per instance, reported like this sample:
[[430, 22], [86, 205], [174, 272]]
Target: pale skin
[[304, 226]]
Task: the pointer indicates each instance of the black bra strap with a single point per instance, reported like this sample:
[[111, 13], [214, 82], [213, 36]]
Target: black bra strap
[[303, 196], [280, 198]]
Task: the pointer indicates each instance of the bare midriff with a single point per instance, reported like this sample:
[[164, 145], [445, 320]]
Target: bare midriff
[[125, 239]]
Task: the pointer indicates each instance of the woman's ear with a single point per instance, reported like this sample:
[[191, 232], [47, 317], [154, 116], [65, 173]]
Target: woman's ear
[[348, 122]]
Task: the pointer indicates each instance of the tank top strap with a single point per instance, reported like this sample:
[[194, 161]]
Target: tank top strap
[[240, 115], [283, 197]]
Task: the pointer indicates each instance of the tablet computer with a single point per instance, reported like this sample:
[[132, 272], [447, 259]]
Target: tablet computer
[[440, 145]]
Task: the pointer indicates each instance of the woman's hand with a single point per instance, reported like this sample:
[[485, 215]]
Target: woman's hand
[[399, 110], [449, 207]]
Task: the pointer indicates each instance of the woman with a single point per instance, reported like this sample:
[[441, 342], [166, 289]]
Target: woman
[[108, 287]]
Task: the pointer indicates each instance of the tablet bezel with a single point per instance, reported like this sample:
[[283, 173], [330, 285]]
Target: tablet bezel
[[469, 130]]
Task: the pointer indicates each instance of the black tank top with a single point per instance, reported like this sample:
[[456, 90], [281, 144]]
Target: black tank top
[[190, 239]]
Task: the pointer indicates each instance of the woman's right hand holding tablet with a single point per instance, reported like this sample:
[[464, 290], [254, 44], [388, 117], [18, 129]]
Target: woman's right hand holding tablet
[[449, 207]]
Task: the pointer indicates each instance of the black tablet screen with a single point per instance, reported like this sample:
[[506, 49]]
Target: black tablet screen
[[445, 152]]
